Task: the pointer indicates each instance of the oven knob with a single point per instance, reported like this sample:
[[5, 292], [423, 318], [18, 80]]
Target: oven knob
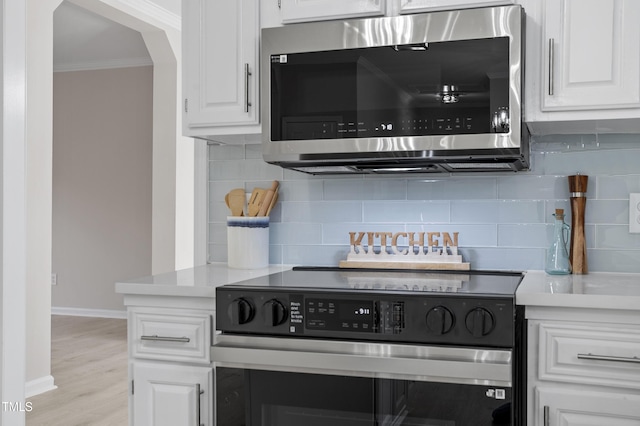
[[479, 322], [240, 311], [439, 320], [274, 313]]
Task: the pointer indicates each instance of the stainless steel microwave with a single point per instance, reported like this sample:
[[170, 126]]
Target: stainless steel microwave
[[431, 92]]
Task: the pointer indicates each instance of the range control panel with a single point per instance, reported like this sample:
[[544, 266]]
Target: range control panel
[[409, 318]]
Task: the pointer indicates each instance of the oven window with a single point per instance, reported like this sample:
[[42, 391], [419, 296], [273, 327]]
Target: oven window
[[453, 87], [268, 398]]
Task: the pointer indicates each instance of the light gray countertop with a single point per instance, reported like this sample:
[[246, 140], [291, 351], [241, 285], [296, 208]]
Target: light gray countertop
[[200, 281], [604, 290], [594, 290]]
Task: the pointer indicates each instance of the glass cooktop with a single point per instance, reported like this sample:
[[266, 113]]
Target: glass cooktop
[[376, 281]]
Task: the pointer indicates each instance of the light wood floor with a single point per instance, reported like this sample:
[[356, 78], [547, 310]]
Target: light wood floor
[[89, 366]]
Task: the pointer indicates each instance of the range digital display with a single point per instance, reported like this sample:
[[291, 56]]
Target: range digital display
[[340, 315]]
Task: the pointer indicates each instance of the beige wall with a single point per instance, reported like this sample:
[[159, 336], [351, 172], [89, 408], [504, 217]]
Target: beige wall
[[102, 184]]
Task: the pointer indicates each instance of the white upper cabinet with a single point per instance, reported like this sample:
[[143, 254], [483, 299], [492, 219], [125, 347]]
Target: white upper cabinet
[[319, 10], [582, 63], [414, 6], [220, 67], [593, 54]]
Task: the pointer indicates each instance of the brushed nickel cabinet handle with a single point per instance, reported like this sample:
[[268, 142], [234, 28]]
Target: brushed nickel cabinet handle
[[247, 76], [199, 393], [551, 57], [546, 415], [157, 338], [634, 359]]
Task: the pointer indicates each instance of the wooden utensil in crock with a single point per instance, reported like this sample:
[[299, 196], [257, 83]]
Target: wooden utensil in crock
[[235, 201], [255, 201], [268, 198]]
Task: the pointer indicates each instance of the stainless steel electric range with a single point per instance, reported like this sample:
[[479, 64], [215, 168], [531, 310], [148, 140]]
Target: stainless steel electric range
[[342, 347]]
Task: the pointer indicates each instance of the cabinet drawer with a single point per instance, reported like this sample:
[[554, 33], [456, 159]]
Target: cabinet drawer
[[590, 354], [171, 337], [559, 407]]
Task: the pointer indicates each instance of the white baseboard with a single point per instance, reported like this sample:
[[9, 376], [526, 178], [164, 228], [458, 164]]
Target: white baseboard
[[38, 386], [83, 312]]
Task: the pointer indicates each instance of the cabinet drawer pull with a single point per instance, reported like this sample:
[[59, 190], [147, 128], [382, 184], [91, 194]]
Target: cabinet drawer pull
[[157, 338], [634, 359], [247, 75], [551, 55]]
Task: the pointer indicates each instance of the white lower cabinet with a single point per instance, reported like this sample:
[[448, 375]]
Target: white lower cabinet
[[170, 368], [562, 407], [172, 395], [583, 367]]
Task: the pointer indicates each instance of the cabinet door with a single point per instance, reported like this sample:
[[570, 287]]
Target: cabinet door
[[563, 407], [172, 395], [319, 10], [591, 54], [413, 6], [220, 64]]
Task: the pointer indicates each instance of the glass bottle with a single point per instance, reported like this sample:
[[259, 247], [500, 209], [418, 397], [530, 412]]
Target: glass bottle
[[557, 256]]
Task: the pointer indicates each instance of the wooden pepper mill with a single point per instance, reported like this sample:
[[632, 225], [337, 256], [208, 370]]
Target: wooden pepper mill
[[578, 252]]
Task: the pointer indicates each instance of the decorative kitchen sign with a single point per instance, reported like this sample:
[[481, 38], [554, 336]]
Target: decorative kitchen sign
[[404, 250]]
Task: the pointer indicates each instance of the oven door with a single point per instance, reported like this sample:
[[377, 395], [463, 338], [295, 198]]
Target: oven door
[[281, 382]]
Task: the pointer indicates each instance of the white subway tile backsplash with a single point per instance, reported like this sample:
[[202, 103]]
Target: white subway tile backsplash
[[365, 189], [618, 187], [594, 162], [616, 237], [504, 258], [525, 235], [452, 188], [295, 233], [613, 260], [301, 190], [243, 169], [504, 221], [407, 211], [226, 152], [607, 212], [523, 211], [527, 187], [322, 211], [324, 255], [474, 211]]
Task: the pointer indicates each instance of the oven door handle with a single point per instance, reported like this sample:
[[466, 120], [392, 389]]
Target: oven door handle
[[423, 369]]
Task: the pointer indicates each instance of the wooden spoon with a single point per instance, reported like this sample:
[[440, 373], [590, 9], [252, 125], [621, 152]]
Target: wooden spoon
[[235, 200], [268, 198]]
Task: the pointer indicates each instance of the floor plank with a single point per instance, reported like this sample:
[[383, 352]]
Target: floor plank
[[89, 366]]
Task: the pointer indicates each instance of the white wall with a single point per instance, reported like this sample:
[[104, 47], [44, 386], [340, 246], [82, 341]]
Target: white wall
[[102, 175], [39, 165], [172, 160], [12, 208]]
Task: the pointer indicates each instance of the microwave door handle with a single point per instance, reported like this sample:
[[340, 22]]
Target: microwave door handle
[[247, 76]]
